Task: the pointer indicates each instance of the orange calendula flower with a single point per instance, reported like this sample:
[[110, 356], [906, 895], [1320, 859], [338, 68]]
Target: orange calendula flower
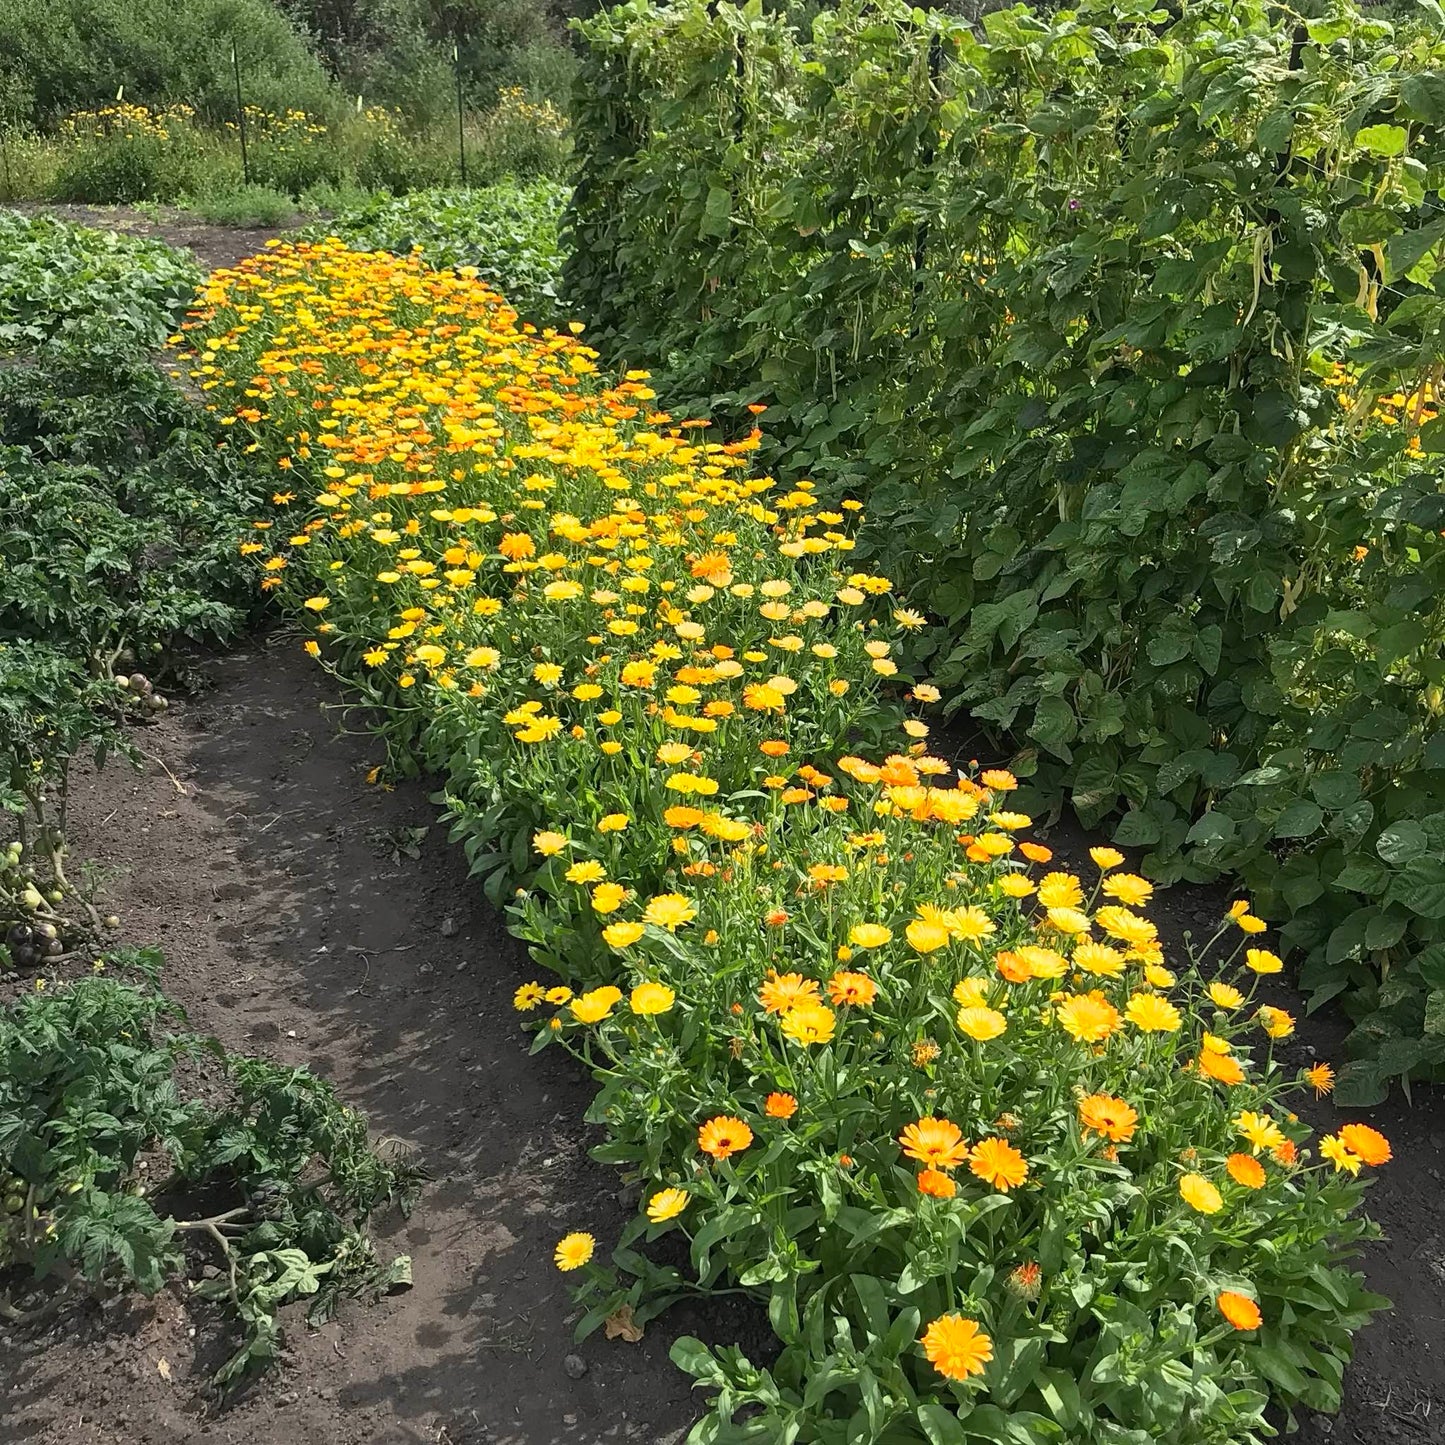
[[1368, 1143], [724, 1136], [936, 1142], [780, 1106], [936, 1184], [956, 1347], [1245, 1169], [1241, 1311], [997, 1162], [1321, 1078], [1223, 1067], [856, 989], [1106, 1115]]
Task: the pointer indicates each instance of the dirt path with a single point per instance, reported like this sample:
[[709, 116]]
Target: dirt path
[[264, 871]]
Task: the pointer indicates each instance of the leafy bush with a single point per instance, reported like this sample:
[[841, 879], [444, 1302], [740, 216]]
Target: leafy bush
[[399, 52], [1131, 338], [58, 56], [62, 280], [998, 1170], [119, 542], [247, 206], [110, 1163], [507, 232]]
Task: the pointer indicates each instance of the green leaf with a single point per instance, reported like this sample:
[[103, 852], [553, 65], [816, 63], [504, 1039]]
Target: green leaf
[[1401, 842], [940, 1425], [1420, 886], [1137, 829], [1299, 820], [1382, 140]]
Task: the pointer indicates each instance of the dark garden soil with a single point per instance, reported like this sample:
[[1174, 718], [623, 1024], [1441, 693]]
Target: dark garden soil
[[255, 853]]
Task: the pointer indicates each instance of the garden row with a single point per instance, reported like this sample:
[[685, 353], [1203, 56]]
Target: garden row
[[116, 560], [1000, 1169], [1128, 331]]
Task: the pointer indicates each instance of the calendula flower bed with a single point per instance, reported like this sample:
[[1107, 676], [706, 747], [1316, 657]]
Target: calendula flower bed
[[1000, 1167]]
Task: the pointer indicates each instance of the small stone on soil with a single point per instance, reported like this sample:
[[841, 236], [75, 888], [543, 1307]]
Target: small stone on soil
[[575, 1366]]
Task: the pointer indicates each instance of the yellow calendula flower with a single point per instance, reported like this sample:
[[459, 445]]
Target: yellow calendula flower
[[608, 897], [596, 1004], [669, 911], [623, 933], [1151, 1014], [573, 1251], [869, 935], [667, 1204], [808, 1023], [981, 1023], [652, 998], [1261, 960], [1199, 1194]]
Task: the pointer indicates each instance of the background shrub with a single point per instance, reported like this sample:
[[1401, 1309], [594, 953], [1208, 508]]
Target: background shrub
[[58, 56], [1132, 339]]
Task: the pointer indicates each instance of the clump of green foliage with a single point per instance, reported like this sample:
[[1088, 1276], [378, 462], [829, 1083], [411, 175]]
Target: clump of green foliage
[[58, 56], [1127, 326], [507, 232], [55, 278], [114, 102], [112, 1164], [119, 549]]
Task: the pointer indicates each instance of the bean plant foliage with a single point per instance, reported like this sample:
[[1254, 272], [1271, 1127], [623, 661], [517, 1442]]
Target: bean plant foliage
[[1127, 323], [114, 1159]]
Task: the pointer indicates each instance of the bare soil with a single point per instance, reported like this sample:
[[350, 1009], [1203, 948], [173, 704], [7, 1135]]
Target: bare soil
[[255, 854]]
